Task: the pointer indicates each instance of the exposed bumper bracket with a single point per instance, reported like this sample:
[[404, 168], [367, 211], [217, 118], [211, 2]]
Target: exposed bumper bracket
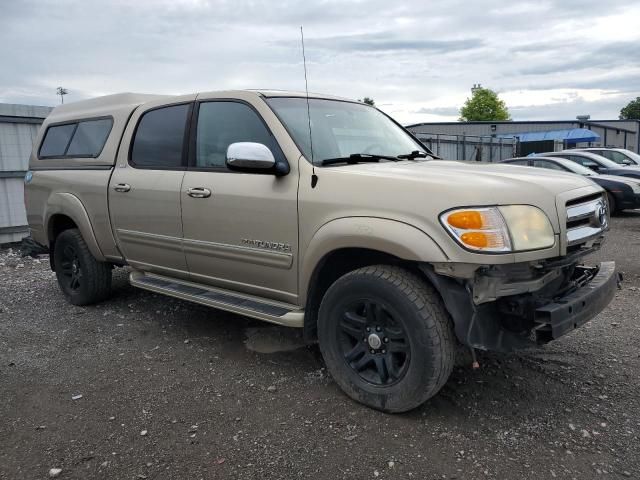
[[575, 309]]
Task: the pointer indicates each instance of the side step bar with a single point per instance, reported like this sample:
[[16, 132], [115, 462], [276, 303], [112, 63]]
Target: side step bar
[[250, 306]]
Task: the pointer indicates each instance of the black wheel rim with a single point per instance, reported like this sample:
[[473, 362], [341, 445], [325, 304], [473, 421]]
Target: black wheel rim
[[71, 271], [373, 342]]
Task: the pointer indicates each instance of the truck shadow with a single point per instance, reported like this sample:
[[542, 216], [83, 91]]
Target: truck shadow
[[505, 386], [529, 385], [628, 214]]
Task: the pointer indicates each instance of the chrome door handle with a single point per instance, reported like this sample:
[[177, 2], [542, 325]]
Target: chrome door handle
[[199, 192], [122, 187]]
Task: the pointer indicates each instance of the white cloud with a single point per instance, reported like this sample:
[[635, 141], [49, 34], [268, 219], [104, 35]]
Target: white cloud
[[417, 59]]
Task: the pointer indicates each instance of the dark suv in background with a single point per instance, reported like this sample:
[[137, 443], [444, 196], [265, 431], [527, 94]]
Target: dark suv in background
[[622, 193], [596, 163]]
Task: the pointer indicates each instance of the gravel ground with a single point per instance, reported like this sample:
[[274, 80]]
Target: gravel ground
[[144, 386]]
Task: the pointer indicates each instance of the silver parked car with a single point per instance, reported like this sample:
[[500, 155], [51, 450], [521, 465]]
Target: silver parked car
[[618, 155], [595, 162]]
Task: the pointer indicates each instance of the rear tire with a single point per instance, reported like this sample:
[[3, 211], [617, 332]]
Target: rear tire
[[83, 279], [386, 338]]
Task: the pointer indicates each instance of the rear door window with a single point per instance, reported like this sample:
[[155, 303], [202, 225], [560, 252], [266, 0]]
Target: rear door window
[[160, 137], [56, 140]]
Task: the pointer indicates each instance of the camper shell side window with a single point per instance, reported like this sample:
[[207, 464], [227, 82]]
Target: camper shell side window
[[76, 139]]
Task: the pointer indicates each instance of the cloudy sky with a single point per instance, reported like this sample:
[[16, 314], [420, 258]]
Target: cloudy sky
[[417, 59]]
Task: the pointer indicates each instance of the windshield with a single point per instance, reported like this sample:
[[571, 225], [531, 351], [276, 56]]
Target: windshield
[[605, 162], [340, 129], [577, 168], [633, 156], [626, 157]]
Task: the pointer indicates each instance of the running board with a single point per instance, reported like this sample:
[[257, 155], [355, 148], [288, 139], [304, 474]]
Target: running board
[[255, 307]]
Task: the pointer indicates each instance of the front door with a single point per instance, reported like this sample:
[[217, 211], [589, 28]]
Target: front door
[[240, 229], [144, 192]]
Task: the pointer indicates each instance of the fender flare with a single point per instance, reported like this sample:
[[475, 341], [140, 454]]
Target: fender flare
[[69, 205], [381, 234]]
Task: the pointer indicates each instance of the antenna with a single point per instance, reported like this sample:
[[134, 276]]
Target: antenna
[[314, 177], [62, 92]]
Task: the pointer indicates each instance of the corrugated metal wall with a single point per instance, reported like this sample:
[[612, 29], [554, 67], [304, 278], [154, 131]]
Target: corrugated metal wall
[[19, 126]]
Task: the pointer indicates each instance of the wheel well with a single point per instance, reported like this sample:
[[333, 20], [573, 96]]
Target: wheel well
[[57, 224], [334, 265]]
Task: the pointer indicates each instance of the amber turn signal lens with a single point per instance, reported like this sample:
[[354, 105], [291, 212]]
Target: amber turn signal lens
[[466, 220], [475, 239], [478, 228]]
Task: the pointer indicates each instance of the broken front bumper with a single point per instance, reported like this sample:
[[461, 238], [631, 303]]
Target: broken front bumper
[[525, 320], [569, 312]]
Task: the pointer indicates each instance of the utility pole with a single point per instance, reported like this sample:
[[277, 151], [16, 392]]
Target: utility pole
[[62, 92]]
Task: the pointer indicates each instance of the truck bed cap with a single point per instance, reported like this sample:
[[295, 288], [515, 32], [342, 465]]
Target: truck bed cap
[[105, 105]]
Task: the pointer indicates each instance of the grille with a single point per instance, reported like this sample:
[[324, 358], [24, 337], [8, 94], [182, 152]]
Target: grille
[[587, 218]]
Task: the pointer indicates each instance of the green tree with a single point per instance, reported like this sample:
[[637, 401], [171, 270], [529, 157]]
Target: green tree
[[368, 101], [484, 105], [631, 111]]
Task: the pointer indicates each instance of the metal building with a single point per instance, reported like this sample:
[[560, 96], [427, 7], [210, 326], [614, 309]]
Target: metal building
[[553, 135], [19, 125]]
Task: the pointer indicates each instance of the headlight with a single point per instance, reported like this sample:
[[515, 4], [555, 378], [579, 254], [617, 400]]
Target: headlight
[[510, 228]]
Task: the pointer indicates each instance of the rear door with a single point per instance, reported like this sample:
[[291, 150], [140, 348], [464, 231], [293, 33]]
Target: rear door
[[240, 229], [144, 192]]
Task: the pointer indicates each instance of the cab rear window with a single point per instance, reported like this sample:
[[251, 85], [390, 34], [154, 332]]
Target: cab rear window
[[83, 139]]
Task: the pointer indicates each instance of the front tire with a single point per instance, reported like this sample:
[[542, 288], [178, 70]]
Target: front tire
[[83, 279], [386, 338], [612, 204]]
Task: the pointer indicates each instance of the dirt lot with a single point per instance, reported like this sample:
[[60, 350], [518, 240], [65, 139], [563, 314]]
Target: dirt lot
[[143, 386]]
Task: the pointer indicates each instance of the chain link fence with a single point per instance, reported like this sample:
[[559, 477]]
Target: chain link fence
[[470, 147]]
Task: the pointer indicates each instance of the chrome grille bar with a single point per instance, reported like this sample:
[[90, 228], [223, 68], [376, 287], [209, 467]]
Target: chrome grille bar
[[582, 210], [592, 218]]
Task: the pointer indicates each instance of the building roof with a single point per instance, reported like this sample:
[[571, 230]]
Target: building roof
[[24, 111], [595, 123]]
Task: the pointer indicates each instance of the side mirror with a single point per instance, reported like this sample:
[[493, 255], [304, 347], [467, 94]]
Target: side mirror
[[250, 156]]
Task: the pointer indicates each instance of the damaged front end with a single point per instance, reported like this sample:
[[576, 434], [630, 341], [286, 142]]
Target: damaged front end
[[516, 306], [508, 307]]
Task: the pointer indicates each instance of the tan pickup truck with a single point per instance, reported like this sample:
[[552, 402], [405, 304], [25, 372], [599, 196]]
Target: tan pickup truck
[[318, 213]]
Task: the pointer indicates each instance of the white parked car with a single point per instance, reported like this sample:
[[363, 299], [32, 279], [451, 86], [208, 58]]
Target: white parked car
[[618, 155]]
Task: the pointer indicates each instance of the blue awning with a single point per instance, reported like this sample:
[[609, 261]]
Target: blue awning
[[574, 135]]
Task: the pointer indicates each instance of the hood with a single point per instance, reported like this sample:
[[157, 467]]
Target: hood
[[628, 168], [419, 191], [616, 178], [490, 178]]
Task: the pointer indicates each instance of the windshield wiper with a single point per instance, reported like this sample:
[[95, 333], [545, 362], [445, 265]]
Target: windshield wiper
[[413, 155], [357, 158]]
